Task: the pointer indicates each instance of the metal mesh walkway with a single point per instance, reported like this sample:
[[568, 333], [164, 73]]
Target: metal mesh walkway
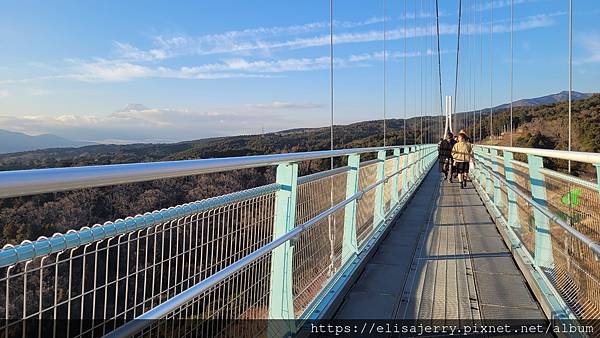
[[442, 259]]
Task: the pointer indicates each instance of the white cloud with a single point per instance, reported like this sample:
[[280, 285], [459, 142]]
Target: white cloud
[[261, 39], [238, 41], [151, 124], [3, 93], [286, 105], [485, 6], [39, 92], [378, 56], [136, 63], [590, 42]]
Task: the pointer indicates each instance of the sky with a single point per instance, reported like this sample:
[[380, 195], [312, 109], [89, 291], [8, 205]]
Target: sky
[[165, 71]]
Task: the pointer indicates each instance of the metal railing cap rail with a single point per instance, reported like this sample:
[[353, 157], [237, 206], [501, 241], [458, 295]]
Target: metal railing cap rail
[[595, 247], [28, 250], [36, 181], [576, 156], [161, 310]]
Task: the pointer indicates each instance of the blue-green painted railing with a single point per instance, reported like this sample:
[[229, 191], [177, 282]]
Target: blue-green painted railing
[[562, 291], [408, 167]]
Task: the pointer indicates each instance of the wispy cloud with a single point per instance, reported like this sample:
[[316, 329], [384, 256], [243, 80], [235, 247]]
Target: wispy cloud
[[279, 105], [590, 42], [262, 39], [39, 92], [3, 93], [237, 41], [136, 63], [140, 124], [497, 4], [103, 70]]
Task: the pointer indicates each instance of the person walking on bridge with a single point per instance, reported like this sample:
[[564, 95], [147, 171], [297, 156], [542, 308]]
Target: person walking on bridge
[[462, 152], [445, 155], [468, 140]]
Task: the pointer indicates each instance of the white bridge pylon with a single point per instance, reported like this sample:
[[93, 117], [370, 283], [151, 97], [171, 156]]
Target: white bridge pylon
[[448, 113]]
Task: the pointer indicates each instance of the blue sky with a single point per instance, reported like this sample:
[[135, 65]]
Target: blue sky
[[115, 71]]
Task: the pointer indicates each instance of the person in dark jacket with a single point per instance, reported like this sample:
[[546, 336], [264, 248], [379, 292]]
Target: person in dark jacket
[[445, 155]]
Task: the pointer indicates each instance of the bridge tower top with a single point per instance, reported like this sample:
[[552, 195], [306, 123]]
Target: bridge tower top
[[448, 115]]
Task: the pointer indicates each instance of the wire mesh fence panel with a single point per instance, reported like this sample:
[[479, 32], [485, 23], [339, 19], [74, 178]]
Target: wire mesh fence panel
[[119, 278], [576, 271], [232, 308], [521, 176], [503, 188], [576, 202], [388, 185], [576, 275], [365, 205], [573, 268], [400, 178], [525, 229], [526, 223], [317, 251]]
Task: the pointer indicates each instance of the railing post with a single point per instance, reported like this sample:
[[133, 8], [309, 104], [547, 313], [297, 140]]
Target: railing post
[[281, 302], [482, 171], [475, 154], [421, 160], [543, 239], [513, 219], [405, 174], [419, 163], [350, 244], [488, 175], [497, 190], [598, 176], [378, 213], [411, 160], [395, 179]]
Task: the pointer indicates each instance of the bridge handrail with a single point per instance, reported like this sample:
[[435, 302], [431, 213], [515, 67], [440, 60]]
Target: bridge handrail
[[28, 250], [36, 181], [144, 320], [550, 219], [595, 247], [576, 156]]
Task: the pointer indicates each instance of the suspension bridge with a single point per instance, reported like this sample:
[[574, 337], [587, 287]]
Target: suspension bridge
[[378, 236]]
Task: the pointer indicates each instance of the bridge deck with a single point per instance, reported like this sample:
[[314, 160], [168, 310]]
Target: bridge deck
[[442, 259]]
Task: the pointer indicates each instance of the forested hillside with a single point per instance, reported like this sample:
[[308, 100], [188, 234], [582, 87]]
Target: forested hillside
[[30, 217]]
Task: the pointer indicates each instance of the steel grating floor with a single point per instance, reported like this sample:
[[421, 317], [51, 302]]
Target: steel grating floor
[[442, 259]]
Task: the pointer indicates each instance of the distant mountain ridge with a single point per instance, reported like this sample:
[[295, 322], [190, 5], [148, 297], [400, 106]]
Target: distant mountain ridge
[[12, 142], [547, 99]]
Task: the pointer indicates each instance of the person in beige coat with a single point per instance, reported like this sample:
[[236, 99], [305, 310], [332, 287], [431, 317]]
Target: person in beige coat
[[461, 154]]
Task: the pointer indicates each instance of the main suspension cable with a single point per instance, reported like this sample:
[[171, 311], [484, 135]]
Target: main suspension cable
[[331, 76], [439, 57], [457, 55], [471, 71], [420, 49], [481, 71], [404, 74], [512, 19], [491, 70], [570, 72], [384, 69]]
